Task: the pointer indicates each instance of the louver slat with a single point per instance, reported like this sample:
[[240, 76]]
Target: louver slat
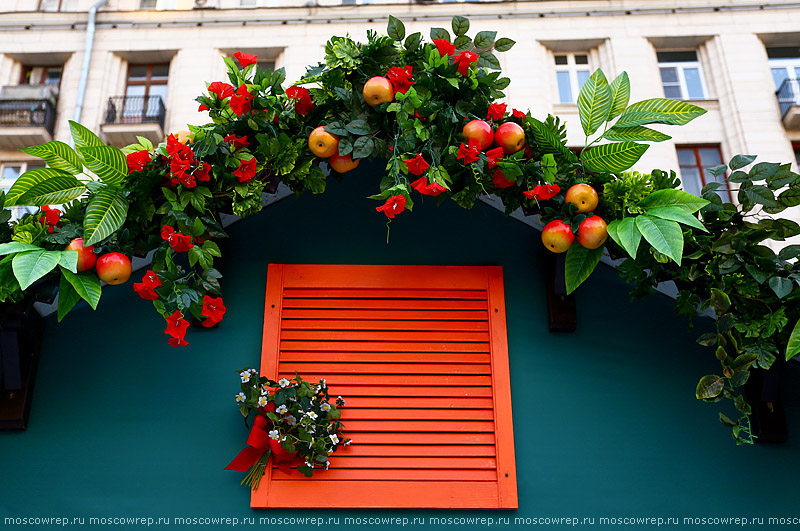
[[420, 354]]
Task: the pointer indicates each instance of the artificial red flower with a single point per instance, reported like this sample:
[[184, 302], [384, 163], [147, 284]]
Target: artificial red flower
[[179, 150], [180, 171], [236, 142], [464, 60], [528, 152], [469, 153], [494, 155], [222, 90], [213, 309], [419, 116], [496, 111], [518, 114], [179, 242], [202, 108], [543, 191], [137, 161], [421, 185], [417, 165], [500, 180], [202, 172], [50, 218], [241, 102], [303, 104], [147, 287], [400, 78], [445, 47], [246, 171], [245, 59], [394, 205], [176, 327]]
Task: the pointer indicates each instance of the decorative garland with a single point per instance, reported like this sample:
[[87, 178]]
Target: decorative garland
[[430, 110]]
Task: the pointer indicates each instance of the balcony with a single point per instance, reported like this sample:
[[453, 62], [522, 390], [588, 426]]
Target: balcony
[[789, 100], [130, 116], [27, 116]]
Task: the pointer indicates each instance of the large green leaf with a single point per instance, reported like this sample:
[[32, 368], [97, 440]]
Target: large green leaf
[[678, 214], [82, 137], [793, 347], [485, 39], [69, 260], [594, 102], [105, 213], [548, 141], [709, 386], [672, 197], [626, 234], [613, 158], [32, 179], [620, 95], [57, 155], [637, 133], [659, 111], [580, 263], [396, 29], [67, 297], [107, 162], [54, 191], [790, 198], [17, 247], [781, 286], [664, 235], [31, 266], [460, 25], [86, 285]]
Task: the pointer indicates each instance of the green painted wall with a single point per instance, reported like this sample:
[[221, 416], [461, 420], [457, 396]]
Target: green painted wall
[[605, 421]]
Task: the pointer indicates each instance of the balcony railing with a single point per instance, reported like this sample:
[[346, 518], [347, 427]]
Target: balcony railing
[[28, 113], [788, 95], [135, 110]]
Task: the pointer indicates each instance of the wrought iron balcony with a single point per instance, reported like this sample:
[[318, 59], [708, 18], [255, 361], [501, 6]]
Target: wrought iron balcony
[[26, 122], [789, 101], [127, 117]]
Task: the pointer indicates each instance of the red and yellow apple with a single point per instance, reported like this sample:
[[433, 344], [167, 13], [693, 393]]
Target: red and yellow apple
[[480, 131], [378, 90], [322, 143], [592, 232], [582, 196], [184, 136], [86, 256], [510, 137], [343, 163], [113, 268], [557, 236]]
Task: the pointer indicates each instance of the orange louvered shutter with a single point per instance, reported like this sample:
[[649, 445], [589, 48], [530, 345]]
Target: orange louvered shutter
[[420, 355]]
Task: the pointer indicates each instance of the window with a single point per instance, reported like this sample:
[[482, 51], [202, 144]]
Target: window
[[796, 148], [572, 71], [784, 63], [420, 354], [681, 75], [145, 92], [9, 173], [694, 162], [147, 4], [41, 75], [58, 5]]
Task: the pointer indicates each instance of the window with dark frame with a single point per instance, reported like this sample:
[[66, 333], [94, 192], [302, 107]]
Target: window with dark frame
[[58, 5], [572, 71], [147, 4], [41, 75], [796, 148], [681, 75], [695, 162], [146, 84]]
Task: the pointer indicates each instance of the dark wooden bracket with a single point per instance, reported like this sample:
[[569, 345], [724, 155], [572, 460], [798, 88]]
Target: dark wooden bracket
[[561, 313], [763, 390], [21, 332]]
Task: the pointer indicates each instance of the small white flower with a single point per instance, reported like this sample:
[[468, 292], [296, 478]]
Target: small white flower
[[262, 401], [273, 434], [312, 429], [253, 371], [309, 464], [311, 443], [347, 442], [280, 410], [334, 438], [245, 376], [312, 398], [330, 427], [327, 464], [240, 397], [290, 420], [312, 415], [339, 400], [330, 451], [322, 384], [325, 406], [318, 389], [283, 382]]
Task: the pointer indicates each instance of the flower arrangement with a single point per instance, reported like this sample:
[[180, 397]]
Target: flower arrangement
[[294, 423]]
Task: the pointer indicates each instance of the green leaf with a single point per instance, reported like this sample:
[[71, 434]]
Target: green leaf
[[790, 198], [460, 25], [709, 386], [744, 361], [67, 298], [462, 42], [719, 301], [34, 182], [31, 266], [82, 137], [664, 235], [413, 41], [793, 346], [787, 253], [105, 213], [396, 29], [107, 162], [740, 161], [672, 197], [86, 285], [548, 141], [781, 286], [363, 147], [718, 170], [17, 247], [708, 339], [726, 420], [358, 127], [762, 195], [69, 260], [737, 176], [580, 262], [678, 214], [57, 155], [637, 133], [53, 191], [620, 95], [503, 44], [659, 111], [485, 39], [626, 234], [764, 170], [440, 33], [487, 59], [594, 102], [613, 158]]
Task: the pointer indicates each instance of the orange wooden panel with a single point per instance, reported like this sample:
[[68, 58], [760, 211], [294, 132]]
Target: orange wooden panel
[[486, 450], [385, 277], [346, 293], [350, 474], [466, 425], [386, 304], [377, 437], [395, 379], [413, 462], [385, 357], [418, 402], [338, 313], [388, 390], [350, 324], [384, 335], [384, 346], [385, 368], [417, 414]]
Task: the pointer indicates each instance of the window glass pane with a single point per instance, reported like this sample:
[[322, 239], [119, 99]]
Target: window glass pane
[[797, 155], [693, 84], [690, 177], [147, 4], [583, 75], [677, 57], [669, 75], [561, 59], [69, 5], [797, 72], [564, 90], [266, 65], [35, 166], [686, 157], [53, 76], [709, 157], [135, 90], [160, 71], [11, 172], [779, 75], [581, 59], [247, 3], [673, 92], [153, 107], [48, 5], [137, 73]]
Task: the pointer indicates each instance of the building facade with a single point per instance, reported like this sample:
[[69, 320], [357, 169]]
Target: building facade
[[150, 58]]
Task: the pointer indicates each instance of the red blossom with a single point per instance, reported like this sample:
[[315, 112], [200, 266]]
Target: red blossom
[[494, 155], [500, 180], [421, 185], [50, 218], [180, 171], [246, 171], [469, 153], [464, 60], [417, 165], [400, 78], [518, 114], [213, 309], [146, 288], [202, 108], [245, 59], [303, 103], [176, 327], [528, 152], [222, 90], [542, 191], [445, 47], [419, 117], [496, 111], [137, 161], [394, 205], [202, 172], [241, 102], [236, 142], [179, 242]]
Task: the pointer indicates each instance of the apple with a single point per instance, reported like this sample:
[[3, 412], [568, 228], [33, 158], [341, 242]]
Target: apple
[[557, 236], [378, 90], [480, 131], [343, 163], [592, 232], [510, 137], [113, 268], [184, 136], [86, 256], [322, 143], [582, 196]]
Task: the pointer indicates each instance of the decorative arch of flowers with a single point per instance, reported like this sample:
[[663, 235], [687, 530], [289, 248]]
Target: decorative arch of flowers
[[167, 198]]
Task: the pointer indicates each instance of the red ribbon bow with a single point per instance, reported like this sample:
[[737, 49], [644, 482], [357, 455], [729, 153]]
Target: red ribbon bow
[[258, 442]]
